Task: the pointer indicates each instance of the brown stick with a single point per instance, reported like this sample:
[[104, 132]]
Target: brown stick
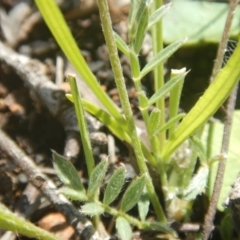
[[48, 188]]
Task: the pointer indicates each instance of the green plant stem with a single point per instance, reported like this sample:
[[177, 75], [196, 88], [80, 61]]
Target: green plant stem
[[11, 222], [210, 139], [114, 212], [175, 95], [117, 71], [57, 24], [157, 40], [82, 124], [135, 68]]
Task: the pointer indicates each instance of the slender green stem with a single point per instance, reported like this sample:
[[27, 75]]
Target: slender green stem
[[154, 142], [117, 71], [82, 124], [114, 212], [157, 40], [210, 139]]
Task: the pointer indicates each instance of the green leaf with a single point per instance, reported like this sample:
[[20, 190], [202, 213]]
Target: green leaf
[[198, 144], [61, 32], [154, 122], [174, 98], [137, 24], [200, 21], [97, 177], [73, 194], [172, 122], [132, 12], [233, 161], [10, 222], [161, 57], [140, 23], [114, 186], [166, 88], [143, 205], [197, 184], [92, 209], [121, 45], [144, 100], [159, 227], [67, 173], [158, 14], [226, 228], [132, 194], [119, 130], [123, 228], [216, 94]]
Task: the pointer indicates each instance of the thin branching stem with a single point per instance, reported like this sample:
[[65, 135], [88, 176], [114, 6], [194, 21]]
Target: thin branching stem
[[225, 36], [208, 222], [119, 79]]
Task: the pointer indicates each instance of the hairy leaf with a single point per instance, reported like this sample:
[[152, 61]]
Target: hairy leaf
[[114, 186], [132, 194]]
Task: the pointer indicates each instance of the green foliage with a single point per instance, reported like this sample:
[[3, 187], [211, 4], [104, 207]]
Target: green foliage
[[67, 173], [123, 228], [233, 162], [114, 186], [170, 153], [143, 205], [161, 57], [133, 194], [92, 206], [97, 178], [192, 19]]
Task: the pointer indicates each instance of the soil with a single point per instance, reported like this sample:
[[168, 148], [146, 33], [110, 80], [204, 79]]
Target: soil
[[37, 132]]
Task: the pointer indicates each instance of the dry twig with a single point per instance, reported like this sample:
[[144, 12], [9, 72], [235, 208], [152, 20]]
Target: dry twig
[[50, 95], [208, 222], [83, 227]]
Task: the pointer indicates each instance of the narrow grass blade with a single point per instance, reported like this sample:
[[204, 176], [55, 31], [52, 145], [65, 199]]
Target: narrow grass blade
[[117, 129], [172, 122], [114, 186], [158, 14], [166, 88], [67, 173], [132, 194], [96, 178], [160, 227], [9, 221], [207, 105], [141, 22], [161, 57], [121, 45], [123, 228], [82, 124], [174, 99], [56, 23]]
